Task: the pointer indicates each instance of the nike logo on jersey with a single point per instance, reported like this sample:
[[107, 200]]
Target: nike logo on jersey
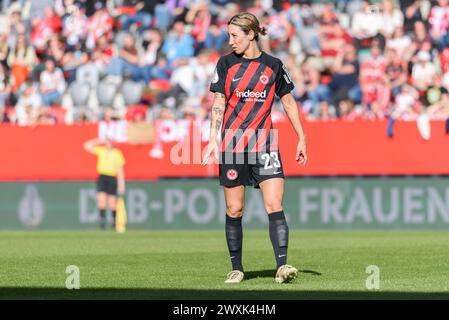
[[236, 79], [276, 172]]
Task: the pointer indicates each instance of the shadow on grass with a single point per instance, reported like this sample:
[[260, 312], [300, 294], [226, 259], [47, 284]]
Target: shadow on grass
[[259, 274], [271, 273], [314, 273], [212, 294]]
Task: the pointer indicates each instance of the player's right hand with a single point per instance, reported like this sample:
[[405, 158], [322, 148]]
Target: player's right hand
[[211, 149]]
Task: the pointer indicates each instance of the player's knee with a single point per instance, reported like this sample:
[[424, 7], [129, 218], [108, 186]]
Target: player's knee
[[234, 210], [101, 204], [274, 205]]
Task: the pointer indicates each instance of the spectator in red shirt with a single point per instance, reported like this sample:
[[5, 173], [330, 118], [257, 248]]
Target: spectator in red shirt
[[439, 23], [44, 28], [444, 60], [99, 24], [103, 52], [332, 36], [200, 18], [372, 81]]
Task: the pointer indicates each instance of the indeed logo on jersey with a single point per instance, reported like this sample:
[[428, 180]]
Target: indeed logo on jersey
[[251, 95]]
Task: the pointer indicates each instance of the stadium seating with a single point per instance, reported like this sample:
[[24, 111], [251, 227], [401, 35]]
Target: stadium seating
[[106, 92], [132, 92]]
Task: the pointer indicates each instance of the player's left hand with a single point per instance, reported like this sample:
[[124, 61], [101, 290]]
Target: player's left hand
[[301, 153], [210, 150]]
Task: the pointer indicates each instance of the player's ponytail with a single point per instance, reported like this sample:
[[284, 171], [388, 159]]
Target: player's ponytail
[[247, 22]]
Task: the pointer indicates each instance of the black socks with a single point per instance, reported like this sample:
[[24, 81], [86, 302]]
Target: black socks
[[102, 218], [234, 238], [279, 236], [114, 215]]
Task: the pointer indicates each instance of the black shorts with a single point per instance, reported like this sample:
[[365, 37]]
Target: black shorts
[[107, 184], [249, 169]]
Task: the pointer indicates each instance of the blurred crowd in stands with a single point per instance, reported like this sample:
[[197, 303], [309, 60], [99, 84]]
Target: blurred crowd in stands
[[77, 61]]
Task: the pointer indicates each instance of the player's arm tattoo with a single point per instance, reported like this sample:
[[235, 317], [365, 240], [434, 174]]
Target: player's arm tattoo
[[218, 111]]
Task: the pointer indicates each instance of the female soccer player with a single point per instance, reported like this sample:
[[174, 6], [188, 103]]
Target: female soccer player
[[244, 84]]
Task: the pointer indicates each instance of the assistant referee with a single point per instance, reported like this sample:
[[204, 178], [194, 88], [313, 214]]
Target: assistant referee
[[111, 176]]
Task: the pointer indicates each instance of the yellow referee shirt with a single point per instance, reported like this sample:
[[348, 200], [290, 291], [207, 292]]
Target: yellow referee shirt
[[109, 160]]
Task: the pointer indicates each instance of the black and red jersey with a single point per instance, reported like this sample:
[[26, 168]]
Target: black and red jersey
[[249, 86]]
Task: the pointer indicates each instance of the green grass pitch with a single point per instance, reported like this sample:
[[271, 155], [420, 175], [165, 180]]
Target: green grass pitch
[[193, 264]]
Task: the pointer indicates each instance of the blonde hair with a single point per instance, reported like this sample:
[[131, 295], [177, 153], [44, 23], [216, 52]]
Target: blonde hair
[[247, 22]]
